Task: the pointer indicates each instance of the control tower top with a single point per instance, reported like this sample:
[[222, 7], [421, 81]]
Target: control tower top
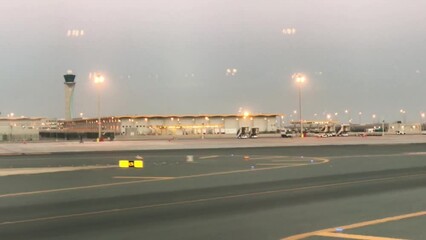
[[69, 77]]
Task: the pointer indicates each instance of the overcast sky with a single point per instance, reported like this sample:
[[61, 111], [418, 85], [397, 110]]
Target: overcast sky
[[171, 57]]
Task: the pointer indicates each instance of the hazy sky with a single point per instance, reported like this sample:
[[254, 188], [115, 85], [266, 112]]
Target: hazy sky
[[170, 57]]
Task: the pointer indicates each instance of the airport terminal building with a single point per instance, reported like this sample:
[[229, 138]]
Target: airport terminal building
[[21, 128], [133, 126], [31, 129], [176, 124]]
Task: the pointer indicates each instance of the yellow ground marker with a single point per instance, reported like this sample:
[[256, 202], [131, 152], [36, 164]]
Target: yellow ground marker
[[148, 178], [331, 231], [279, 164], [353, 236], [130, 164]]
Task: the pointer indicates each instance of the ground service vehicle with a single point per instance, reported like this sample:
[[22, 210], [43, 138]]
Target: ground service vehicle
[[287, 133]]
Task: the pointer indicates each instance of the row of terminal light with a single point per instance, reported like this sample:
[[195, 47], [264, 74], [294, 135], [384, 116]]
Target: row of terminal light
[[80, 33], [75, 33]]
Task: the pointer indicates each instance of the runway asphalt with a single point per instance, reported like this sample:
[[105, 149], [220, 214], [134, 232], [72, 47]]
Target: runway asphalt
[[237, 193]]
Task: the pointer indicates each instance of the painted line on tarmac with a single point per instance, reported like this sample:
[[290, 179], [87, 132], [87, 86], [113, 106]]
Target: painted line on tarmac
[[269, 157], [372, 155], [235, 196], [321, 161], [416, 153], [356, 225], [353, 236], [73, 188], [290, 160], [45, 170], [209, 157], [280, 164], [129, 177]]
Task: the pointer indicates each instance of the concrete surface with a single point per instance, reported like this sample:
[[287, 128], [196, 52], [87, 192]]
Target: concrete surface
[[75, 146]]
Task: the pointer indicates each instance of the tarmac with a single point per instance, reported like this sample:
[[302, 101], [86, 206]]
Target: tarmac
[[199, 143], [297, 188], [26, 171]]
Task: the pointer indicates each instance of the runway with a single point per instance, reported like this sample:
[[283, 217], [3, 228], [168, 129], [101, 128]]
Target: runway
[[255, 193]]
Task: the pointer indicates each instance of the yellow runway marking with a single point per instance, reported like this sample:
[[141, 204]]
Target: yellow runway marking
[[353, 236], [73, 188], [383, 220], [124, 209], [280, 164], [357, 225], [243, 195], [321, 161], [270, 157], [136, 177], [290, 160], [376, 155]]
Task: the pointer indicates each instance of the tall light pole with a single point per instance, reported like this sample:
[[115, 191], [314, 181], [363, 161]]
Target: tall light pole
[[383, 128], [347, 115], [11, 125], [99, 79], [359, 117], [300, 79], [402, 111]]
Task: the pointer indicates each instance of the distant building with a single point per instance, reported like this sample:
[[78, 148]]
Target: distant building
[[175, 124], [405, 128], [20, 128], [34, 128]]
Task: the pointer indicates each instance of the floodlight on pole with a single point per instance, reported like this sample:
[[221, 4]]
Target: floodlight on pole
[[404, 120], [99, 79], [300, 79]]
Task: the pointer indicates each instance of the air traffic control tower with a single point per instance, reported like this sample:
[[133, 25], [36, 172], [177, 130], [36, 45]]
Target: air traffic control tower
[[69, 91]]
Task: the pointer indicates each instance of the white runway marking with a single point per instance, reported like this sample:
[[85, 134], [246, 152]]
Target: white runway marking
[[209, 157], [39, 170], [416, 153]]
